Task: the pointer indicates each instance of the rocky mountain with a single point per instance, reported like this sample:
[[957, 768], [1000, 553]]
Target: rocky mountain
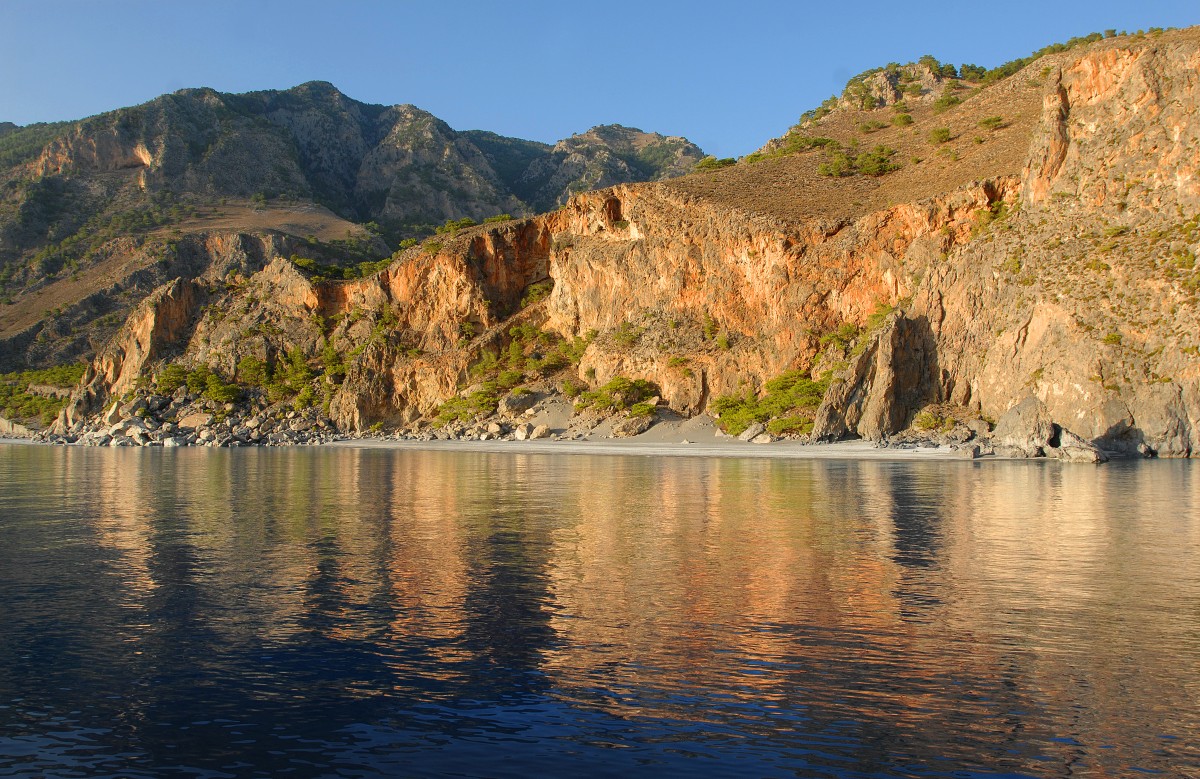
[[107, 198], [1011, 270]]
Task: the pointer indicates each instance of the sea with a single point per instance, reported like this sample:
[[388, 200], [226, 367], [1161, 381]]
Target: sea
[[343, 612]]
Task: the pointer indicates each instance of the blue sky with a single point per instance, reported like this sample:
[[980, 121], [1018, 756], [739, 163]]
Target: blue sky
[[726, 75]]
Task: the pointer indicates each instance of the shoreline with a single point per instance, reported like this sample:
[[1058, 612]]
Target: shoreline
[[783, 450], [731, 449]]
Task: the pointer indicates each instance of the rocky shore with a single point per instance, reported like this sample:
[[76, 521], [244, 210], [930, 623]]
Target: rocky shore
[[185, 419]]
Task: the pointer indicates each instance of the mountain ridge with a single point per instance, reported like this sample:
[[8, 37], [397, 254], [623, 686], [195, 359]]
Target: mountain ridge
[[183, 162]]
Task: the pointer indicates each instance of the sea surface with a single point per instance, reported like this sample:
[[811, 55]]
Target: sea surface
[[359, 613]]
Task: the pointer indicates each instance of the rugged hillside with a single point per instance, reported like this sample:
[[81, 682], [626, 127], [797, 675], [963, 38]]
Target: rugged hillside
[[1021, 271], [98, 200]]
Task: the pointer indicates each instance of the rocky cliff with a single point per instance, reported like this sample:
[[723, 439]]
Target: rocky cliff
[[1050, 308]]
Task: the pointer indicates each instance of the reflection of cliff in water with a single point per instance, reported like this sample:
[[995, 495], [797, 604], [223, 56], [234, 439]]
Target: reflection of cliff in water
[[938, 607]]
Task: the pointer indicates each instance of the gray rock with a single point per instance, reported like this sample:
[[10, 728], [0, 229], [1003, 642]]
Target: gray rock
[[132, 408], [514, 404], [1074, 449], [522, 431], [968, 452], [195, 420], [171, 442], [113, 415], [631, 426], [979, 427], [1026, 426], [749, 434], [541, 431], [763, 438]]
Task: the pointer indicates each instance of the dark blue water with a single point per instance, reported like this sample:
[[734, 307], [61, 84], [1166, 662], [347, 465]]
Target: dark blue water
[[228, 613]]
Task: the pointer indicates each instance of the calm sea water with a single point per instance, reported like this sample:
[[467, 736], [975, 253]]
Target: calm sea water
[[338, 612]]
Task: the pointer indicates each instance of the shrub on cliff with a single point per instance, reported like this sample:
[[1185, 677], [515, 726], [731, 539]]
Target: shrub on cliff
[[452, 226], [712, 163], [467, 408], [618, 394], [876, 162], [791, 399], [252, 371], [837, 164], [170, 379], [221, 391]]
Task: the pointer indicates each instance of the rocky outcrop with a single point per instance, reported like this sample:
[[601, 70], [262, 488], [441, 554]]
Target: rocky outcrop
[[893, 377], [163, 320], [11, 429]]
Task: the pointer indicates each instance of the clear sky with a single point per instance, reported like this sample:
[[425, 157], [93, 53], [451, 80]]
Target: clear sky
[[726, 75]]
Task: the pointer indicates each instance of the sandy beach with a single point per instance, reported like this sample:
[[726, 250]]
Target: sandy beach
[[670, 437]]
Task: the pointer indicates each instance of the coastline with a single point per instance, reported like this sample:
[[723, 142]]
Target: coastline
[[844, 450]]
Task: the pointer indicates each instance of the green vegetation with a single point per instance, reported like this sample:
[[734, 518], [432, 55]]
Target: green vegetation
[[875, 162], [794, 143], [943, 69], [1113, 339], [452, 226], [288, 378], [628, 334], [1013, 66], [18, 403], [939, 135], [984, 219], [618, 394], [902, 120], [641, 410], [841, 338], [531, 351], [26, 143], [537, 292], [498, 218], [199, 381], [712, 163], [467, 408], [319, 272], [815, 114], [928, 420], [992, 122], [790, 402]]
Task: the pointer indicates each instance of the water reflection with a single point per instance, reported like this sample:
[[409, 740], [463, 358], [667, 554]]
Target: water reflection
[[252, 612]]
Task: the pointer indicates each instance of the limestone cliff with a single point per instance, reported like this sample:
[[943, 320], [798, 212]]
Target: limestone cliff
[[1057, 297]]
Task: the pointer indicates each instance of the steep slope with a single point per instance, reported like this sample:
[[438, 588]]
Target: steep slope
[[91, 198]]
